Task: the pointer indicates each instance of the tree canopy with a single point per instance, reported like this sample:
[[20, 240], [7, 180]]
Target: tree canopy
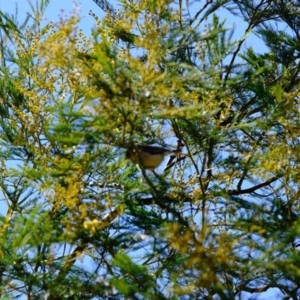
[[81, 221]]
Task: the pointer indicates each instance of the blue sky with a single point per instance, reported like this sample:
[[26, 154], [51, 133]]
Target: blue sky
[[56, 8]]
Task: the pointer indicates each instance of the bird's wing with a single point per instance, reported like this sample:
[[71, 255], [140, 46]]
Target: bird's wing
[[153, 149]]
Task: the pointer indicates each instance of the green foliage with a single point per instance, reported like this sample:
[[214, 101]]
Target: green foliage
[[82, 222]]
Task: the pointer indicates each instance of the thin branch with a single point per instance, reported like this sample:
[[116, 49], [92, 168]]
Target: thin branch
[[254, 188], [151, 200], [239, 185], [252, 24], [251, 290], [82, 247]]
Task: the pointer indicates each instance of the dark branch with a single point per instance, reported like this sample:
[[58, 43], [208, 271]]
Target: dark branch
[[254, 188], [152, 200], [262, 289]]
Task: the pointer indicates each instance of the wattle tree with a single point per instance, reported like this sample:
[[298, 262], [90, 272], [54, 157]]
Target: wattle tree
[[218, 220]]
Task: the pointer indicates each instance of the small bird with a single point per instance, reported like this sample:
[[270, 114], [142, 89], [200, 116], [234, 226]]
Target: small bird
[[148, 157]]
